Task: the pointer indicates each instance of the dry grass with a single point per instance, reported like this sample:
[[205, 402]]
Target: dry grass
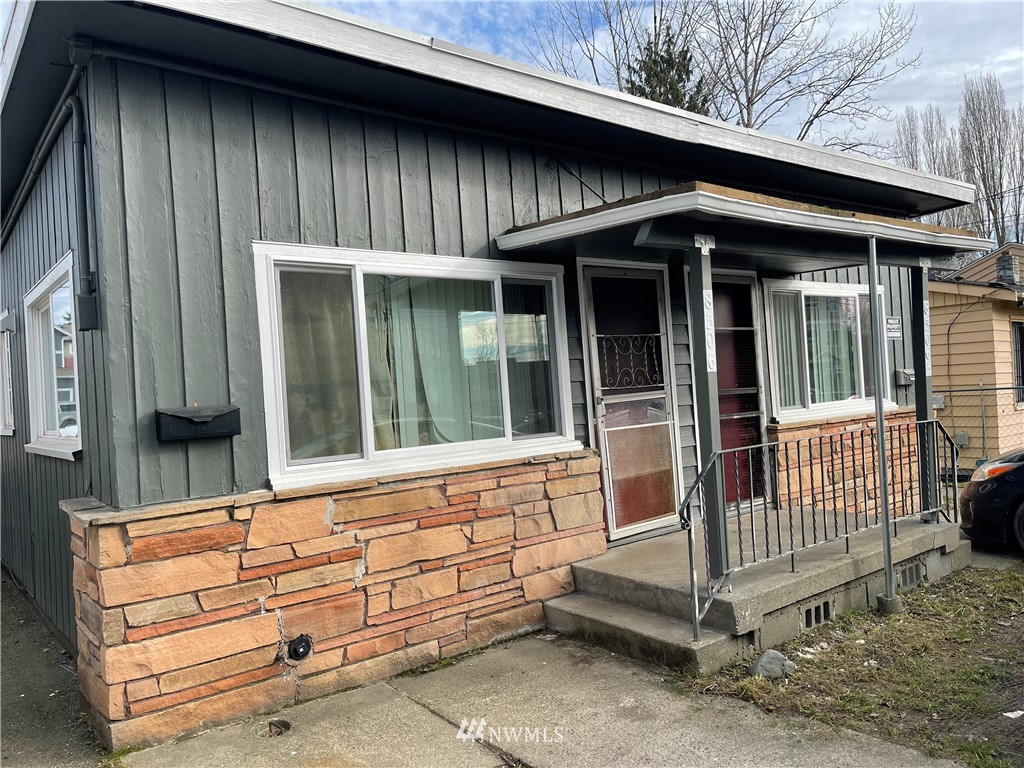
[[936, 677]]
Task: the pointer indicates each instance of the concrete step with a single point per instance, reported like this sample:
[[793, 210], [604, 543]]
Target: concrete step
[[600, 578], [640, 633]]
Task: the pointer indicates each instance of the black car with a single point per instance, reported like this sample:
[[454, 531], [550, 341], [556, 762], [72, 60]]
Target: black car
[[992, 502]]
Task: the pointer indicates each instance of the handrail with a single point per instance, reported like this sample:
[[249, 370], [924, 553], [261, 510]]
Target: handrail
[[817, 485], [697, 483]]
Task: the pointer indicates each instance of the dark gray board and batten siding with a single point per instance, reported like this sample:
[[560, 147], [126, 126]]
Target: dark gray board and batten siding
[[34, 533], [192, 170]]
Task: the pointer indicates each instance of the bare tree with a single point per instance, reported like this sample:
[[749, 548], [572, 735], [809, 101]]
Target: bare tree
[[986, 148], [768, 63], [595, 41], [984, 134], [776, 62], [926, 143]]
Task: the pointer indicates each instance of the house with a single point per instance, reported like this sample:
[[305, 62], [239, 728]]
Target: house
[[374, 337], [978, 353]]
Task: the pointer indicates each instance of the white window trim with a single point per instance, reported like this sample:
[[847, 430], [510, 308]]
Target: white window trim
[[820, 411], [41, 444], [269, 256], [6, 392]]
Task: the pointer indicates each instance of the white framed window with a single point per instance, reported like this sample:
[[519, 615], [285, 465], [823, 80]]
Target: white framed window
[[6, 381], [822, 363], [379, 362], [50, 348]]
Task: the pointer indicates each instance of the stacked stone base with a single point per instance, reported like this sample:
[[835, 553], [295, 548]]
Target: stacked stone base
[[185, 610]]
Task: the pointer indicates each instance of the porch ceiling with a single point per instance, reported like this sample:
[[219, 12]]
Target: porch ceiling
[[750, 230]]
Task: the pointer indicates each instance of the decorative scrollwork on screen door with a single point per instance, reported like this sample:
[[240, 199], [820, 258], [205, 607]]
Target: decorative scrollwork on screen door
[[630, 361]]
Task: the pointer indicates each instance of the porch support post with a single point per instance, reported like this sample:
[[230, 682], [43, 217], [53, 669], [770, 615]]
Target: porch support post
[[920, 336], [889, 602], [705, 389]]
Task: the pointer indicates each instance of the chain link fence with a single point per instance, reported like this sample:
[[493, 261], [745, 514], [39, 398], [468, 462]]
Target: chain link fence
[[983, 421]]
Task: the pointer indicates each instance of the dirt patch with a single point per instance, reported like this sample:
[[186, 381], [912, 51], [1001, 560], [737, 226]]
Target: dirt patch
[[42, 723], [937, 677]]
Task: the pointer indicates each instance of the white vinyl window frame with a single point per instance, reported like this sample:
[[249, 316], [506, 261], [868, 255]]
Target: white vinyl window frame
[[283, 474], [834, 409], [45, 442], [6, 381]]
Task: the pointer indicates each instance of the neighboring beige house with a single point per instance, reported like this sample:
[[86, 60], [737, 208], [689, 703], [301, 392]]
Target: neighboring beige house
[[977, 325]]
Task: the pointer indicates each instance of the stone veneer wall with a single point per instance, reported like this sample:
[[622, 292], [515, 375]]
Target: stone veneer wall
[[835, 469], [184, 610]]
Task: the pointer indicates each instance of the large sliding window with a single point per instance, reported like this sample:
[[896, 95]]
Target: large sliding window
[[378, 362], [823, 359]]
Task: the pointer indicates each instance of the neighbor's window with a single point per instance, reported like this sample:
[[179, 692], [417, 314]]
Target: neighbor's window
[[379, 364], [52, 375], [822, 341], [1017, 333], [6, 383]]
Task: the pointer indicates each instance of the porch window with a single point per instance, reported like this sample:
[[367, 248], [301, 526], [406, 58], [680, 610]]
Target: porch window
[[52, 371], [823, 359], [392, 362]]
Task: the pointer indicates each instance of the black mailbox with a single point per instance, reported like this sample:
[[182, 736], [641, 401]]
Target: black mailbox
[[199, 421]]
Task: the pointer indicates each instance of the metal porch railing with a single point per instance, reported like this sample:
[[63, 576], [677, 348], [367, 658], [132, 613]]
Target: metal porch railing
[[784, 497]]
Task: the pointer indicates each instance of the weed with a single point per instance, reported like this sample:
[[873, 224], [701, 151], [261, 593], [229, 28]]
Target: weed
[[449, 661], [113, 759]]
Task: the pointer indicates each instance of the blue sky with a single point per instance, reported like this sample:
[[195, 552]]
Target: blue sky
[[954, 38]]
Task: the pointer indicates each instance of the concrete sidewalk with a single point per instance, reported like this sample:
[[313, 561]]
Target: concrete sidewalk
[[545, 701]]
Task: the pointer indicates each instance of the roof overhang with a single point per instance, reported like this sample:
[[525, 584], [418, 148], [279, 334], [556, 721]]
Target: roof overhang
[[668, 218], [319, 49]]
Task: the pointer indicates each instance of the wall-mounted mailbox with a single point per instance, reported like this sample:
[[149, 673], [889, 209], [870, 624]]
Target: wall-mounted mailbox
[[197, 422], [904, 377]]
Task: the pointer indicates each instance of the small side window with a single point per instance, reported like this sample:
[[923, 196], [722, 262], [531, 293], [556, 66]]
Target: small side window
[[50, 348], [6, 380]]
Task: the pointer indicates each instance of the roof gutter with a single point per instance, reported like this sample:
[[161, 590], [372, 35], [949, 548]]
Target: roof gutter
[[68, 106], [80, 52]]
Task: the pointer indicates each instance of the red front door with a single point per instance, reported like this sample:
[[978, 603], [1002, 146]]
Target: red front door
[[739, 390]]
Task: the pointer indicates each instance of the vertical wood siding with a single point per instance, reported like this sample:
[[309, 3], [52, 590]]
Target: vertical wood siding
[[34, 533], [192, 170]]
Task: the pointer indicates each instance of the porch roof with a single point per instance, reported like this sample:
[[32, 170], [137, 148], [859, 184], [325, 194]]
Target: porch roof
[[746, 224]]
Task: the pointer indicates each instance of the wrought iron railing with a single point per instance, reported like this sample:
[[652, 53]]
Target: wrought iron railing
[[783, 497]]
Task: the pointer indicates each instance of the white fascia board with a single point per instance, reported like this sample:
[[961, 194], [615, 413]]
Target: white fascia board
[[14, 39], [343, 33], [706, 202]]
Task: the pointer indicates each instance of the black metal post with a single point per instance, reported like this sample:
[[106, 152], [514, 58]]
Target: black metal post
[[922, 346]]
